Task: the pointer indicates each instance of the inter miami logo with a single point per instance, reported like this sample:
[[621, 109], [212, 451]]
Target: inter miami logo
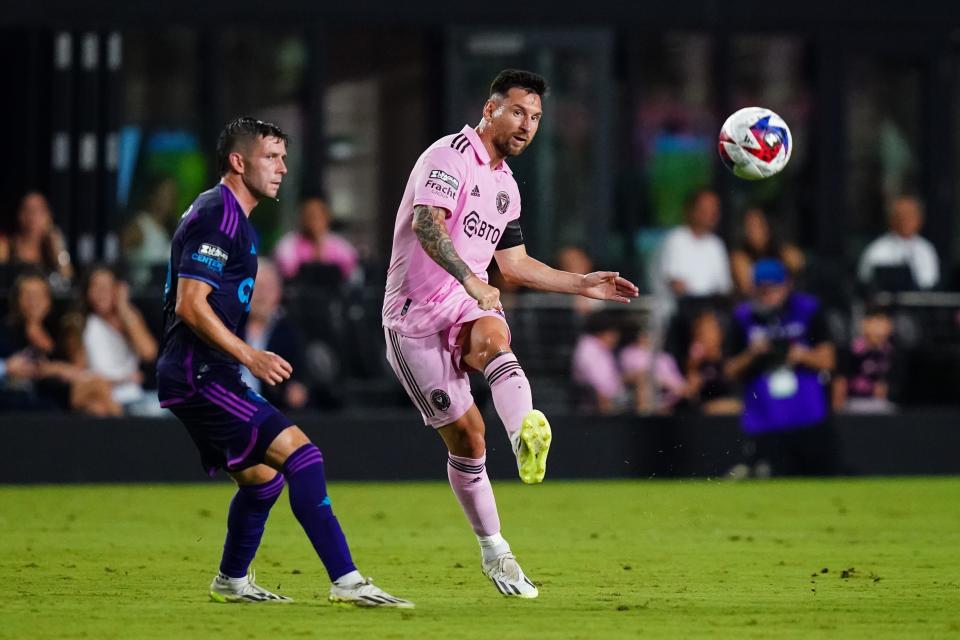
[[503, 202], [440, 399]]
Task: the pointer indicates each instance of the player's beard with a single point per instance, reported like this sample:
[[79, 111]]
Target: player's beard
[[503, 147], [258, 193]]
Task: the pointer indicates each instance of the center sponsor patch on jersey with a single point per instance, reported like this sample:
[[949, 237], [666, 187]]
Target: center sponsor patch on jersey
[[213, 251], [473, 225], [437, 174]]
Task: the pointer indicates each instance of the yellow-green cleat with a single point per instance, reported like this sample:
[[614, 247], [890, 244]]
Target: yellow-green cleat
[[532, 447]]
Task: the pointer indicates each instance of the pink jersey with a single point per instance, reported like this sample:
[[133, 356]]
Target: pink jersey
[[453, 174], [294, 250]]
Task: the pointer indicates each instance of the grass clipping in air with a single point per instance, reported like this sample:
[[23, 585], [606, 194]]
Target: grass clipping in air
[[695, 559]]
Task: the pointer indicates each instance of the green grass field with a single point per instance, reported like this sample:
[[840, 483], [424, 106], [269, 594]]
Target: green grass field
[[695, 559]]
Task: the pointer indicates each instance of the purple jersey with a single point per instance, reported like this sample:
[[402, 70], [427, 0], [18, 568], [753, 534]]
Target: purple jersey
[[214, 243]]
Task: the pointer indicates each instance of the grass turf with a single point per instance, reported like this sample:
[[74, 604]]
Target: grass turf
[[785, 559]]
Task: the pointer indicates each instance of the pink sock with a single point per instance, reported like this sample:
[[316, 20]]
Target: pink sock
[[469, 481], [510, 389]]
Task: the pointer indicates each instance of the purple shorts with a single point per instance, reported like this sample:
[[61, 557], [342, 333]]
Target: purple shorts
[[231, 424]]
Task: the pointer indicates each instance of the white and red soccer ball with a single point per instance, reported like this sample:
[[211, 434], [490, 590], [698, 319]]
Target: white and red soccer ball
[[755, 143]]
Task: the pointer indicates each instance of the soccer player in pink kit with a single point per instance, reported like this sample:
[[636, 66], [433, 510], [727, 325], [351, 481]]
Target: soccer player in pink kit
[[441, 318]]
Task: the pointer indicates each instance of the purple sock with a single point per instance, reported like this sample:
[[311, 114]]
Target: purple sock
[[248, 516], [311, 505]]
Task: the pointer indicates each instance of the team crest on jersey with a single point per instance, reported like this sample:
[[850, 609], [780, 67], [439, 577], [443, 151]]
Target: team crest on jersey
[[503, 202], [440, 399]]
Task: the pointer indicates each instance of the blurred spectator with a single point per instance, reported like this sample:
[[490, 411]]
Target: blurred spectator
[[594, 369], [693, 261], [17, 371], [782, 352], [575, 260], [269, 328], [759, 242], [37, 241], [31, 331], [656, 381], [709, 385], [115, 340], [901, 259], [146, 238], [864, 378], [313, 242]]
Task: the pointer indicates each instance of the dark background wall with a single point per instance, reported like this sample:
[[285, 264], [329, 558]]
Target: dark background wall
[[393, 447]]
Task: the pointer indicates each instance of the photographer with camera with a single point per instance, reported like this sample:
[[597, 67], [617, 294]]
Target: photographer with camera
[[783, 356]]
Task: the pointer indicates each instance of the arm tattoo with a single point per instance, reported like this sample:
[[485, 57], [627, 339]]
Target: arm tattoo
[[432, 233]]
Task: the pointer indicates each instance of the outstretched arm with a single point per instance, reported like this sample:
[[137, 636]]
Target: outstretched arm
[[428, 225], [519, 268]]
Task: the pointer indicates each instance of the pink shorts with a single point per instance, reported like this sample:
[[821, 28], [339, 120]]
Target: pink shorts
[[430, 370]]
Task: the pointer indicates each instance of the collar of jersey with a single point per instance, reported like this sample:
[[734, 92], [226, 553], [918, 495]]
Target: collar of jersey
[[481, 151]]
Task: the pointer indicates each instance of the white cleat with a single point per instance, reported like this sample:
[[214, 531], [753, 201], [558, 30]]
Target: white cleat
[[508, 577], [366, 594], [229, 590]]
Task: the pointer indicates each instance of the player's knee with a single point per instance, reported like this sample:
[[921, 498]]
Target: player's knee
[[469, 443], [490, 345], [284, 445]]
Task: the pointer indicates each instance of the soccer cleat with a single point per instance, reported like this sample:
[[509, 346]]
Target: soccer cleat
[[532, 446], [508, 577], [224, 589], [366, 594]]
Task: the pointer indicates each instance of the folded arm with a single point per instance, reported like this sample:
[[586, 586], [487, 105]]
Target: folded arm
[[193, 308]]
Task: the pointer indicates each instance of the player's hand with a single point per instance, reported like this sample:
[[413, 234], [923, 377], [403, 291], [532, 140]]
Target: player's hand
[[607, 285], [797, 354], [758, 346], [269, 367], [21, 366], [487, 297]]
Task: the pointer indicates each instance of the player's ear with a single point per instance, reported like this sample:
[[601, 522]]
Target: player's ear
[[236, 161], [488, 108]]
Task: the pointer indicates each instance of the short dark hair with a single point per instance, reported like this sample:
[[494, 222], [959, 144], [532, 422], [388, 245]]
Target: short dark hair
[[313, 194], [693, 198], [242, 130], [875, 309], [603, 321], [515, 78]]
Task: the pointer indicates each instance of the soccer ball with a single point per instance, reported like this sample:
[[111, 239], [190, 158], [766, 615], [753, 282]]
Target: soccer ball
[[755, 143]]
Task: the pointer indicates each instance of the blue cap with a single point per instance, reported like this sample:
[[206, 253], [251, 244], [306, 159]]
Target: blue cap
[[769, 271]]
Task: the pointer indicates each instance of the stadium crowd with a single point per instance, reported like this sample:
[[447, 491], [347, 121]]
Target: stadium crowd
[[86, 341]]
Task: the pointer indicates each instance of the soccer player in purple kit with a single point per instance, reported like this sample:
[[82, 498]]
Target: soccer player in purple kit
[[210, 279], [442, 319]]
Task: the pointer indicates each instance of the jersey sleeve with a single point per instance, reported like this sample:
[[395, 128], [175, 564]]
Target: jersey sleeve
[[512, 235], [440, 178], [207, 246]]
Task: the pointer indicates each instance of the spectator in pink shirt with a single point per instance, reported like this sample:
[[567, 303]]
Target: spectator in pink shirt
[[314, 242], [639, 363], [594, 367]]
